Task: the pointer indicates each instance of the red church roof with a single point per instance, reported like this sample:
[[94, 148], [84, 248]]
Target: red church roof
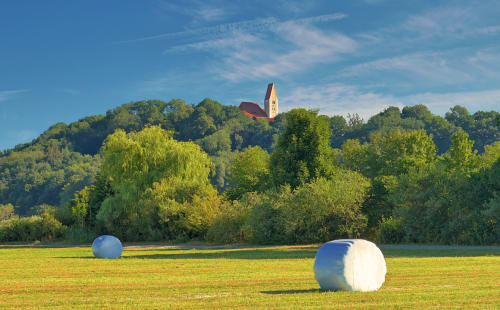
[[254, 110]]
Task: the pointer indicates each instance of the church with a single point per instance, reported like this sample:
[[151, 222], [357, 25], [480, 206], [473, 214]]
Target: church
[[270, 111]]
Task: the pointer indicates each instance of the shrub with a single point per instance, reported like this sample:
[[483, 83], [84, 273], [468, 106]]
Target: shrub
[[265, 221], [229, 225], [326, 209], [79, 234], [32, 228], [391, 230]]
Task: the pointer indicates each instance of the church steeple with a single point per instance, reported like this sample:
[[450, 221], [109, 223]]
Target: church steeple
[[271, 101], [270, 106]]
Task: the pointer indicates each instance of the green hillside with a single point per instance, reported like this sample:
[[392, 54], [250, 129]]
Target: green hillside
[[65, 158], [155, 170]]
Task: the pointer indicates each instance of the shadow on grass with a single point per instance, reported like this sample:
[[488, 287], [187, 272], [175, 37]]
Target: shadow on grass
[[228, 254], [297, 253], [291, 292], [388, 253], [214, 254], [282, 253], [79, 257]]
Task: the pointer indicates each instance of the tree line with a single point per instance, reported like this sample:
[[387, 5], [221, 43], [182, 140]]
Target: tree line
[[172, 171]]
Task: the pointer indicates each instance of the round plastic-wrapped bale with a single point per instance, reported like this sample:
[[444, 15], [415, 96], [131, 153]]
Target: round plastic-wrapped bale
[[107, 247], [350, 265]]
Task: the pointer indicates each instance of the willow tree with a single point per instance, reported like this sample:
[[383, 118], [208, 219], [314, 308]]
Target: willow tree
[[160, 187]]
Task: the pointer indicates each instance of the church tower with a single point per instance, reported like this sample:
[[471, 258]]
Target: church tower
[[271, 101]]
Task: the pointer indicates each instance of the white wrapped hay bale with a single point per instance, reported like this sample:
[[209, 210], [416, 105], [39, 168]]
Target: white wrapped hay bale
[[350, 265], [107, 246]]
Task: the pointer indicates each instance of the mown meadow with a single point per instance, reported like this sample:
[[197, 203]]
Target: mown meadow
[[238, 278]]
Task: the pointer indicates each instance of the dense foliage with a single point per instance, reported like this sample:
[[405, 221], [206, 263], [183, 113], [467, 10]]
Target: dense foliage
[[155, 170], [159, 187], [302, 153], [44, 173], [33, 228]]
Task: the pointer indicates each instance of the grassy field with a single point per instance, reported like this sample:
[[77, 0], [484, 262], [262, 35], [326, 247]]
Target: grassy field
[[266, 278]]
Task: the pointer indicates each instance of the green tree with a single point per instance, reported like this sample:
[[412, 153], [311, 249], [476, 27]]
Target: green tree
[[361, 157], [250, 172], [481, 126], [160, 187], [401, 151], [44, 174], [491, 155], [7, 212], [80, 210], [390, 153], [338, 126], [303, 152], [461, 157]]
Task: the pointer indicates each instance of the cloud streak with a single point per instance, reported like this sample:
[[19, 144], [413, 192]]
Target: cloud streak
[[429, 66], [238, 39], [305, 46], [8, 94], [255, 25]]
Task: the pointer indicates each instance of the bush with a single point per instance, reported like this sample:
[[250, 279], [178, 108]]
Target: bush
[[326, 209], [265, 221], [78, 234], [229, 225], [391, 230], [492, 220], [33, 228], [323, 210]]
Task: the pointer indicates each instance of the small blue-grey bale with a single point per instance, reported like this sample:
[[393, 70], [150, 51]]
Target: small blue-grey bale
[[107, 247], [350, 265]]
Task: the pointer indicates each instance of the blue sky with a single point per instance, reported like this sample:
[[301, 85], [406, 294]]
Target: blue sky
[[64, 60]]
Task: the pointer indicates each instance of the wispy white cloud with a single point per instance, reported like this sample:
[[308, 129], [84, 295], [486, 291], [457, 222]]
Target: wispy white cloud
[[8, 94], [263, 48], [433, 27], [254, 25], [341, 99], [338, 99], [441, 20], [196, 11], [238, 39], [488, 30], [428, 66], [449, 67], [486, 100], [249, 26], [304, 46], [211, 14]]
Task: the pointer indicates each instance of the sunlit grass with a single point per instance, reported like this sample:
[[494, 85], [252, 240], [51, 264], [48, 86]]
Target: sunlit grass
[[267, 278]]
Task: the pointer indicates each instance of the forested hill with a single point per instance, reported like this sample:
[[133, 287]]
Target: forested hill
[[65, 158]]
